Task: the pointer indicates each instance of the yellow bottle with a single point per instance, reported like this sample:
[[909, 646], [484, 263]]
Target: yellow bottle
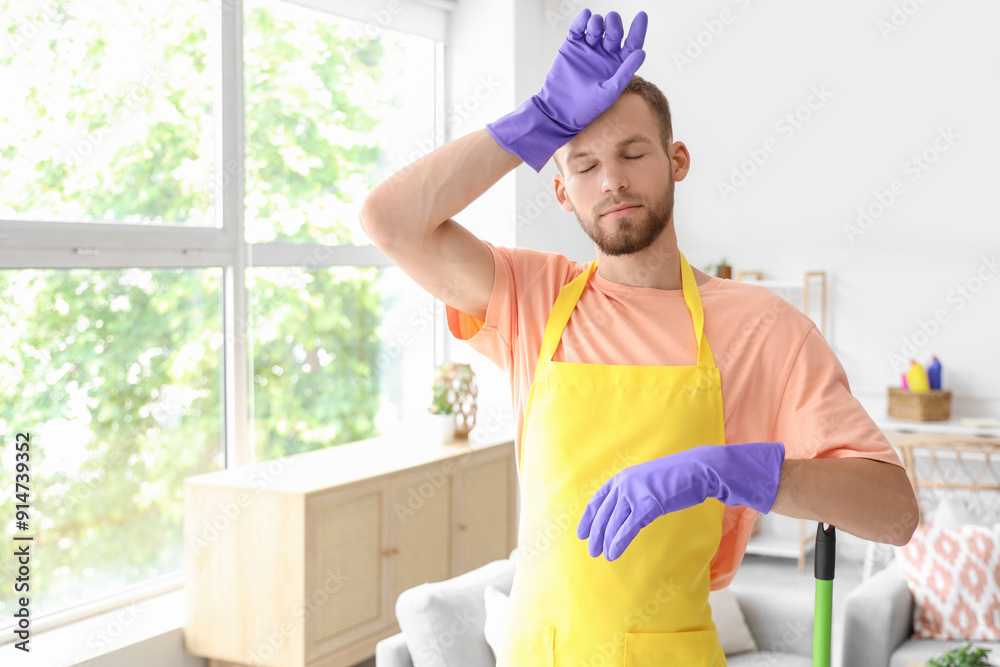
[[916, 378]]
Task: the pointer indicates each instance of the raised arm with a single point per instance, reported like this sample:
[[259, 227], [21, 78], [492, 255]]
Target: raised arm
[[408, 217]]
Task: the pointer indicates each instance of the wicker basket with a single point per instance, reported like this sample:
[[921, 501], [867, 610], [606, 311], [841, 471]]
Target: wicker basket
[[931, 406]]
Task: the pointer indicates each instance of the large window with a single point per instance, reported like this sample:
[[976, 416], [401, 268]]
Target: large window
[[116, 375], [340, 354], [330, 111], [185, 283], [108, 112]]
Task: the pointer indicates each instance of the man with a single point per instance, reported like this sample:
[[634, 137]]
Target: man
[[659, 409]]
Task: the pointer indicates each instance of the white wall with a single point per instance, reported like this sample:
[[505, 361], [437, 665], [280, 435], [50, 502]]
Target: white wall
[[894, 81]]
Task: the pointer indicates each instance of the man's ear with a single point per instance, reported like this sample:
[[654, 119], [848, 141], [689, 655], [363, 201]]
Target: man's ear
[[681, 160], [559, 185]]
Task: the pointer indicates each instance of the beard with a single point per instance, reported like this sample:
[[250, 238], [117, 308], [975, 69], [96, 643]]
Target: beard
[[633, 233]]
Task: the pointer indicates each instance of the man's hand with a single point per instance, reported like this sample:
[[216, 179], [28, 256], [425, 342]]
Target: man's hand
[[592, 68], [744, 474], [590, 72]]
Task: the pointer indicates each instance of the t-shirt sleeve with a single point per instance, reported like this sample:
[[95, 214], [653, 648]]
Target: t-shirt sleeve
[[496, 336], [817, 415]]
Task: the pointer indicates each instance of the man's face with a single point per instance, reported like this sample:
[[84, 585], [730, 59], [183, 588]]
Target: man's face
[[638, 173]]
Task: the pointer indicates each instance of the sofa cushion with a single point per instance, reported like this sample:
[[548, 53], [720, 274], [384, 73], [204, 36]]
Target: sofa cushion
[[953, 511], [734, 635], [954, 576], [443, 621], [496, 606]]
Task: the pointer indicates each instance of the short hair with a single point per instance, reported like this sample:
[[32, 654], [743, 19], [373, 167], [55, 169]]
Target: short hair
[[658, 104]]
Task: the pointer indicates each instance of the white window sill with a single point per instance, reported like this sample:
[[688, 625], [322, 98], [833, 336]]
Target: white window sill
[[90, 638]]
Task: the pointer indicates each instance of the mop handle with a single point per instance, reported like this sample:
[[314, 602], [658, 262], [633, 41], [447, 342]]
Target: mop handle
[[826, 556]]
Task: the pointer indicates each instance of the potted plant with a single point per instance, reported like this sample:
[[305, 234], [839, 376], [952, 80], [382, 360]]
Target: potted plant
[[963, 656], [454, 400], [722, 269]]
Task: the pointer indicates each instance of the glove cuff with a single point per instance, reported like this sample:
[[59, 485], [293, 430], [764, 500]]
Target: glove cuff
[[764, 465], [750, 474], [530, 134]]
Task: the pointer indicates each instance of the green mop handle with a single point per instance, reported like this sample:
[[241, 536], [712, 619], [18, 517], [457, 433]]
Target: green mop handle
[[826, 556]]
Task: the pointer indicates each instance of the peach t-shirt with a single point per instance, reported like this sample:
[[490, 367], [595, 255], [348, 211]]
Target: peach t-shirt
[[780, 379]]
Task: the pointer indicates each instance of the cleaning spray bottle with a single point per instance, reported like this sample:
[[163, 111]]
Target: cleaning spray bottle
[[934, 373], [917, 378]]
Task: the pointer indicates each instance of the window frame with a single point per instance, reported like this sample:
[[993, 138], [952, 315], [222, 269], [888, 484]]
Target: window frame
[[47, 244]]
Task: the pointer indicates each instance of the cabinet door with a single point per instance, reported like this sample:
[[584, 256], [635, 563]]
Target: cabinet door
[[485, 515], [420, 527], [345, 584]]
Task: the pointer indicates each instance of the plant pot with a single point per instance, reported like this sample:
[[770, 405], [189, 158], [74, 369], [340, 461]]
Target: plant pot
[[442, 427], [455, 386], [724, 271]]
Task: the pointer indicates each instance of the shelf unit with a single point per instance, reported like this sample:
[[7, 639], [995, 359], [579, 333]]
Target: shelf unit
[[798, 292], [777, 535]]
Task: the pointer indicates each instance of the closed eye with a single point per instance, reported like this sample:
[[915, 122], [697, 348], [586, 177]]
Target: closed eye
[[627, 158]]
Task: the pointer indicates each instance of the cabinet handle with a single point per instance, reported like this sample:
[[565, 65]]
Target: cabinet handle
[[389, 552], [462, 526]]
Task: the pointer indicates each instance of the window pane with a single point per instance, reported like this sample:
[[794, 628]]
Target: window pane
[[340, 355], [108, 113], [330, 112], [116, 374]]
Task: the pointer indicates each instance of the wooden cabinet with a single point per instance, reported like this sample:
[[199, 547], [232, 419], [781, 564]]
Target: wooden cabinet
[[486, 517], [347, 579], [421, 530], [299, 561]]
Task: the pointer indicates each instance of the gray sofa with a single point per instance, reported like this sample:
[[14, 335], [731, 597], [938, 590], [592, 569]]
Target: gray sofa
[[447, 619], [878, 624]]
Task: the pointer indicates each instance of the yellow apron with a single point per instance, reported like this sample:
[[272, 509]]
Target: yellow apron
[[583, 424]]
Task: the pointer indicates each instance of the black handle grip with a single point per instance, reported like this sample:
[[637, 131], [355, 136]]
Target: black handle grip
[[826, 551]]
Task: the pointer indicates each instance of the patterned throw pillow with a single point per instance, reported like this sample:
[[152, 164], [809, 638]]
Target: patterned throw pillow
[[954, 576]]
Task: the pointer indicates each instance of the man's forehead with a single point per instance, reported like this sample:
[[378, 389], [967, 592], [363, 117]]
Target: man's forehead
[[586, 151]]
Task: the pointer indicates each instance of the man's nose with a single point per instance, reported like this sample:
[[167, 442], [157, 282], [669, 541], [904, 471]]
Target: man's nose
[[614, 178]]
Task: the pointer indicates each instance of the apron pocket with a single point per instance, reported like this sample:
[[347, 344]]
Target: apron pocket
[[695, 648], [526, 643]]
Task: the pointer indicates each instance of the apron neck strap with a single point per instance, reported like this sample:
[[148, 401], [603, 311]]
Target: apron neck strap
[[570, 294], [693, 300]]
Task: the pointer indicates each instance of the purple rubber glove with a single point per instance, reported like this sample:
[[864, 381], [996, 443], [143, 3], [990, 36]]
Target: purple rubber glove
[[587, 77], [744, 474]]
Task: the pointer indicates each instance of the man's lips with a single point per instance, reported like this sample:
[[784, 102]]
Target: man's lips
[[622, 208]]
